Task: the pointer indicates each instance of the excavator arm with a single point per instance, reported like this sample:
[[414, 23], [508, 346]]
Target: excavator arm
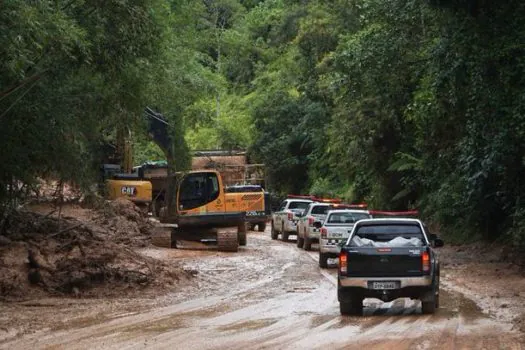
[[158, 131]]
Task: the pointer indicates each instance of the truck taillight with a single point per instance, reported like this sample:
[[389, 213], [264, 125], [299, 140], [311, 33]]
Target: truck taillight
[[425, 261], [324, 232], [311, 221], [290, 216], [342, 262]]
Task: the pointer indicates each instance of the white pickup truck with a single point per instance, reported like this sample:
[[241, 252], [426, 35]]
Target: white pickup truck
[[284, 221], [335, 229], [306, 231]]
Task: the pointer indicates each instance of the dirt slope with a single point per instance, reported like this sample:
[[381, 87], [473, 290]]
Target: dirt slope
[[85, 252]]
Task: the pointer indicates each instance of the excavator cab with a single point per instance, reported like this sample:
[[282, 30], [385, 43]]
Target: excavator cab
[[197, 190]]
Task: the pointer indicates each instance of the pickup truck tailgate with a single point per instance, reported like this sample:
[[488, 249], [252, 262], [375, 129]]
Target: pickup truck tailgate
[[384, 262]]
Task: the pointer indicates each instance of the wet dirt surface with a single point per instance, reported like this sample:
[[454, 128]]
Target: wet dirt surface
[[269, 295]]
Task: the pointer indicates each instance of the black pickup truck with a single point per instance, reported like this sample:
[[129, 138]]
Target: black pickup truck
[[388, 259]]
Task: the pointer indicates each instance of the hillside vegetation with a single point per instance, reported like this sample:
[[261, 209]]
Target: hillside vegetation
[[402, 103]]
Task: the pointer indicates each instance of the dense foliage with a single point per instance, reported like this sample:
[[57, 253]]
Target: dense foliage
[[402, 103], [75, 73], [399, 103]]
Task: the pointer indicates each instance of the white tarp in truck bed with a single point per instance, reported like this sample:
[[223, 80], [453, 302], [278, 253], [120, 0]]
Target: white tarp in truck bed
[[297, 211], [396, 242]]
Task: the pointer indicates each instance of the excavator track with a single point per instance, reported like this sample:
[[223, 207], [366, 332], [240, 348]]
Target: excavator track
[[227, 240], [161, 237]]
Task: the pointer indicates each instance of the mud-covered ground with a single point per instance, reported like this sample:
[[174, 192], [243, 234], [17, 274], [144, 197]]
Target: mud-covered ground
[[271, 295], [47, 250]]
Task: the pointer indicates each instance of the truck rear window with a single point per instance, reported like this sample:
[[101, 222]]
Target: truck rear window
[[298, 205], [387, 233], [346, 218], [320, 209]]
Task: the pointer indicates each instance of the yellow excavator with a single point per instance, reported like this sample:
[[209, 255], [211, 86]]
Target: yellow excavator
[[124, 183], [203, 213], [195, 205]]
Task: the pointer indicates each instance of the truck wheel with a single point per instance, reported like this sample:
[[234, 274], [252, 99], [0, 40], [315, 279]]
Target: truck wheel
[[429, 302], [300, 241], [307, 243], [352, 307], [261, 227], [428, 307], [273, 232], [284, 236], [436, 293], [173, 238], [323, 260], [241, 232]]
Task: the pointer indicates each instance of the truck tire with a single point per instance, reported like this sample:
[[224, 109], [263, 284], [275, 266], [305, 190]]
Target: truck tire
[[241, 232], [173, 238], [307, 243], [227, 240], [300, 241], [273, 232], [261, 227], [351, 307], [284, 234], [428, 307], [323, 260], [428, 303]]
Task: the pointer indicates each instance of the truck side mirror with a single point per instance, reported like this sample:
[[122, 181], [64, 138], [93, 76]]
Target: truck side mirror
[[318, 224], [438, 242]]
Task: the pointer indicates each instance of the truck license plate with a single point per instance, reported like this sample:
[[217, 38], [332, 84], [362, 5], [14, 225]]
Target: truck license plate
[[383, 285]]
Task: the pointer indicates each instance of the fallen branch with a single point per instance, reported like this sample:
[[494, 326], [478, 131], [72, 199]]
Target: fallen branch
[[65, 230]]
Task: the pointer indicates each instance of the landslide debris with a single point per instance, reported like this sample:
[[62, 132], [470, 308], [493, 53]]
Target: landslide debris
[[84, 252]]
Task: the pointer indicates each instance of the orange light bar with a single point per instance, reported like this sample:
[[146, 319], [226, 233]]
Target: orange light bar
[[350, 206], [360, 205], [395, 213], [328, 200], [314, 198], [301, 196]]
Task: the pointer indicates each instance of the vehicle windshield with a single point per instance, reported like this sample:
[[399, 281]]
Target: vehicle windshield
[[298, 205], [320, 209], [392, 234], [346, 218], [198, 189]]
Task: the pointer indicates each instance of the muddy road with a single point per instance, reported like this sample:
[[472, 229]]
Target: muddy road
[[270, 295]]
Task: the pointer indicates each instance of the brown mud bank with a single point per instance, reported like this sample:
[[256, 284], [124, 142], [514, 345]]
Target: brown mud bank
[[82, 252], [486, 275]]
